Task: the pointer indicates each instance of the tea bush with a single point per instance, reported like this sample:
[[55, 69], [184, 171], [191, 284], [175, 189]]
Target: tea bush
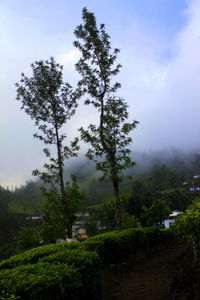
[[42, 281], [72, 270], [115, 246], [32, 256]]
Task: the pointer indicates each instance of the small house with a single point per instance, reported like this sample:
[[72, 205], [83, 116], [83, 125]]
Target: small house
[[171, 218]]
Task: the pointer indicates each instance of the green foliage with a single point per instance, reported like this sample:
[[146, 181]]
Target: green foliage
[[103, 213], [51, 232], [130, 221], [142, 195], [76, 257], [50, 103], [52, 272], [72, 270], [12, 297], [145, 202], [42, 281], [187, 226], [88, 264], [75, 198], [33, 255], [28, 237], [53, 226], [46, 98], [156, 213], [115, 246], [111, 155]]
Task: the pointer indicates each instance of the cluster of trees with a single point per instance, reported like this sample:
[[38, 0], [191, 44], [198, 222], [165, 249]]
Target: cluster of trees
[[51, 102], [143, 201]]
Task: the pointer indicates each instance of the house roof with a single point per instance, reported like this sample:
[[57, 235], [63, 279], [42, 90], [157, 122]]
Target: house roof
[[175, 214]]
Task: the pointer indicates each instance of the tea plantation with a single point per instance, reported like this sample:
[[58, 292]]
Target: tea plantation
[[72, 270]]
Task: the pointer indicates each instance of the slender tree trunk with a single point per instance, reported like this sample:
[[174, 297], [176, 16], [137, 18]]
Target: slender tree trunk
[[62, 186], [118, 208], [60, 165], [69, 230]]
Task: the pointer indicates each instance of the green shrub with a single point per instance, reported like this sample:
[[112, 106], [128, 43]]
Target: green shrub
[[72, 270], [115, 246], [32, 256], [187, 227], [42, 281], [76, 257], [107, 246], [88, 264], [27, 238]]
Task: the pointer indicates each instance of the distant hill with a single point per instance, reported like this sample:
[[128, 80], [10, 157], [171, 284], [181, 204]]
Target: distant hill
[[28, 198]]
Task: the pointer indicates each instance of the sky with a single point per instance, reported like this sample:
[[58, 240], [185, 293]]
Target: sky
[[159, 42]]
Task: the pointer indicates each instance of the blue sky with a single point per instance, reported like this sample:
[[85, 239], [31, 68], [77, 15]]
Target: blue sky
[[159, 42], [158, 13], [53, 18]]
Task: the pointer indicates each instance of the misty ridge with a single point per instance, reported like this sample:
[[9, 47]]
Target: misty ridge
[[186, 164], [169, 167]]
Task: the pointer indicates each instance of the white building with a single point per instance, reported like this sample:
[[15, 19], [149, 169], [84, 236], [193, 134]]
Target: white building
[[172, 218]]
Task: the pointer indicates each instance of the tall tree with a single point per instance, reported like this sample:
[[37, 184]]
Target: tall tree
[[109, 139], [50, 103]]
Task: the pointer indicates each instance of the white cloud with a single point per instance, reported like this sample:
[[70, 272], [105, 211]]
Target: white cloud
[[164, 94], [181, 94], [69, 58]]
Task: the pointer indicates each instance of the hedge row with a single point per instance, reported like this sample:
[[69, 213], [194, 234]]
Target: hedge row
[[56, 271], [114, 247], [71, 270], [41, 281], [33, 255]]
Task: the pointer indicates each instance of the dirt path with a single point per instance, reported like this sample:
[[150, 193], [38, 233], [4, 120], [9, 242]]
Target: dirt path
[[146, 280]]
